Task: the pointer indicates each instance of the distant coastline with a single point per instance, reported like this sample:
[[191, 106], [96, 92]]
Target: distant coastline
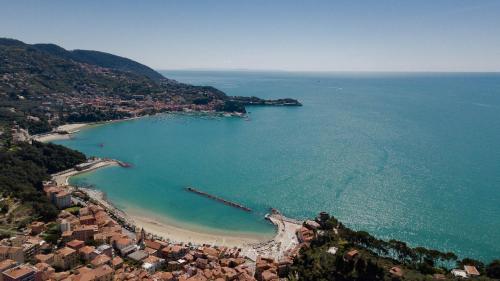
[[66, 131]]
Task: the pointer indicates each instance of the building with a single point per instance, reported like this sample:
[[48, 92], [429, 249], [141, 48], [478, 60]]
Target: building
[[173, 252], [123, 242], [37, 227], [138, 255], [63, 200], [305, 234], [58, 196], [13, 253], [471, 271], [75, 244], [152, 263], [459, 273], [116, 262], [22, 273], [86, 252], [46, 270], [65, 258], [100, 260], [65, 225], [84, 232], [351, 255], [87, 220], [6, 264], [105, 250], [48, 259], [128, 250]]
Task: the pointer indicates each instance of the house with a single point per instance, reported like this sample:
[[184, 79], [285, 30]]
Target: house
[[102, 273], [138, 255], [13, 253], [152, 263], [459, 273], [311, 224], [75, 244], [128, 250], [87, 220], [84, 232], [305, 234], [65, 258], [46, 270], [65, 225], [396, 272], [173, 252], [86, 252], [105, 250], [351, 255], [48, 259], [471, 270], [100, 260], [116, 262], [6, 264], [123, 242], [22, 273], [37, 227]]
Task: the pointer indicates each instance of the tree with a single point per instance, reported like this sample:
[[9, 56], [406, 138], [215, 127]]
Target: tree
[[493, 269]]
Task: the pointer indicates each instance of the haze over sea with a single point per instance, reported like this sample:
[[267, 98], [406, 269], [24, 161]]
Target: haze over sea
[[414, 157]]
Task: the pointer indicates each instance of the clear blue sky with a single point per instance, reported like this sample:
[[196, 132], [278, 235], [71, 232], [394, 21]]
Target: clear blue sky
[[378, 35]]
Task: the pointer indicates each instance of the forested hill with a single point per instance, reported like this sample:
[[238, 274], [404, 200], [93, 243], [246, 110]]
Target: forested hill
[[103, 60]]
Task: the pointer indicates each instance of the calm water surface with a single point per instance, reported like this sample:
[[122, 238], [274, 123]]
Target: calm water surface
[[414, 157]]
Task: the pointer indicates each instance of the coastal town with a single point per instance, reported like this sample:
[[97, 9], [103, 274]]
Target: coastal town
[[91, 240], [53, 230], [95, 241]]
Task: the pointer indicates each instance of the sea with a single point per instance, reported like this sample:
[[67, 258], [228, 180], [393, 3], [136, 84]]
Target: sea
[[407, 156]]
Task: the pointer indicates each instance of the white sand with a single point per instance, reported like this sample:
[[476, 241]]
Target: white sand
[[178, 234], [70, 128]]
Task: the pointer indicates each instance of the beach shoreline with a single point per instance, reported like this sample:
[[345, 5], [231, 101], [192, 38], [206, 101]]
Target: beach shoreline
[[251, 245], [66, 131], [277, 247]]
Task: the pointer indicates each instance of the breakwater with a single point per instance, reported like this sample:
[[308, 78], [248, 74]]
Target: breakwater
[[213, 197]]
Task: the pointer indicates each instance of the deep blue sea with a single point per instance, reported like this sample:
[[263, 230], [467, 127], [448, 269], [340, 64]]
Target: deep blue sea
[[414, 157]]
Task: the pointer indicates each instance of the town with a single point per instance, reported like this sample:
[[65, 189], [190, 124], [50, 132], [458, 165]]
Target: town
[[89, 241]]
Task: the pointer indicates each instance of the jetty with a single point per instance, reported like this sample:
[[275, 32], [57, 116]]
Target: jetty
[[213, 197]]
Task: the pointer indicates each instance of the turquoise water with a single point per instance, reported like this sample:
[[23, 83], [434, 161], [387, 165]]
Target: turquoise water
[[414, 157]]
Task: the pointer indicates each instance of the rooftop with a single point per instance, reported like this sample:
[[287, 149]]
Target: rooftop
[[20, 271]]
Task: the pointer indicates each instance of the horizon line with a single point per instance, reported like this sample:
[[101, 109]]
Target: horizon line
[[326, 71]]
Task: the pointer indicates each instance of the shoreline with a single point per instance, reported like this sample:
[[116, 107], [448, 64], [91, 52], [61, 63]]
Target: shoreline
[[251, 244], [277, 246], [66, 131], [180, 234], [62, 178]]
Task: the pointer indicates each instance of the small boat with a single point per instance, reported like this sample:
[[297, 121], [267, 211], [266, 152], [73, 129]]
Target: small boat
[[101, 145]]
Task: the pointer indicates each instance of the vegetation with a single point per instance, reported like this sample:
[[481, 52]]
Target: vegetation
[[375, 258], [102, 59], [24, 166], [493, 269], [53, 233]]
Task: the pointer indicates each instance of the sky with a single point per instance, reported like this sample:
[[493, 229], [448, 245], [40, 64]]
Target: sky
[[291, 35]]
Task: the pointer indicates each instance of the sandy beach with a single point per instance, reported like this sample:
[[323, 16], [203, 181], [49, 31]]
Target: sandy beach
[[185, 235], [70, 129], [251, 245]]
